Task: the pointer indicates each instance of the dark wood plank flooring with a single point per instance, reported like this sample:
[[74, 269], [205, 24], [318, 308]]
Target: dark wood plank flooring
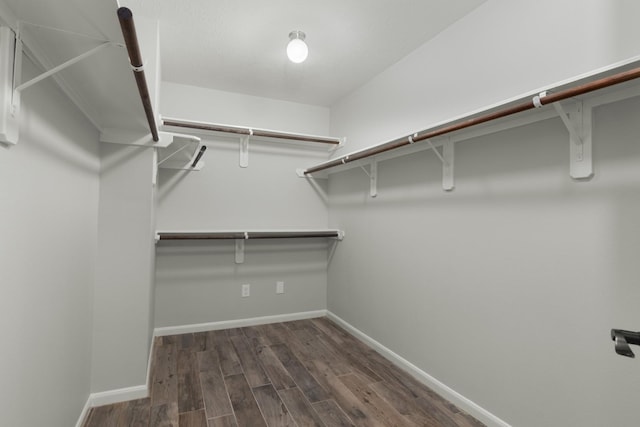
[[307, 373]]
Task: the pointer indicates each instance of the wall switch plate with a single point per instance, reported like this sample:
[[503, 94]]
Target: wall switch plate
[[246, 290], [279, 287]]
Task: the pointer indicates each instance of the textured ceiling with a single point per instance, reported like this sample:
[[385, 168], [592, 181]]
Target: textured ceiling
[[239, 46]]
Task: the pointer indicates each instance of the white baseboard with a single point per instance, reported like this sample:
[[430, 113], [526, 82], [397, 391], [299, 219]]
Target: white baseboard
[[119, 395], [446, 392], [109, 397], [239, 323], [85, 412]]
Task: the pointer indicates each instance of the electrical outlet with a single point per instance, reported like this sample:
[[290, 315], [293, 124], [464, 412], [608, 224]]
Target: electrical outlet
[[279, 287], [246, 290]]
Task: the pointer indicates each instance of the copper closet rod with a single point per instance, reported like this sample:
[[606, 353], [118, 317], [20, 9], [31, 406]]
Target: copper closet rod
[[133, 48], [529, 105]]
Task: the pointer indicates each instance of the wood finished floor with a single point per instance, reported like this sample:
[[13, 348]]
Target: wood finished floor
[[302, 373]]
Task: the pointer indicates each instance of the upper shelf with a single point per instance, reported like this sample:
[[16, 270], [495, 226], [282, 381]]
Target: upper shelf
[[100, 85], [570, 98], [244, 131], [90, 63]]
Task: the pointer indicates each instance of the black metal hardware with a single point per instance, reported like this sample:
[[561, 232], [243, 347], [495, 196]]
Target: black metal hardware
[[622, 339], [200, 153]]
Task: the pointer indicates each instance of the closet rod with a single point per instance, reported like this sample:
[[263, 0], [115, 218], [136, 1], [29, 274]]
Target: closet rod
[[249, 235], [535, 102], [249, 131], [125, 16]]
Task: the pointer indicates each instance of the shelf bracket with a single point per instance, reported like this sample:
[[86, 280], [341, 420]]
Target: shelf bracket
[[373, 179], [372, 173], [335, 147], [578, 121], [240, 249], [194, 163], [172, 154], [9, 103], [448, 183], [60, 67], [447, 162], [244, 149]]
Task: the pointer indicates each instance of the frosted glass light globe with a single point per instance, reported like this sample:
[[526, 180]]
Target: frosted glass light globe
[[297, 49]]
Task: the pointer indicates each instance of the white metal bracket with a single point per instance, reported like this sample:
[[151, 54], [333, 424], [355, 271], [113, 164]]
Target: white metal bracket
[[373, 177], [335, 147], [578, 120], [240, 250], [62, 66], [9, 124], [154, 172], [448, 183], [446, 158], [333, 246], [12, 52], [190, 147], [244, 149]]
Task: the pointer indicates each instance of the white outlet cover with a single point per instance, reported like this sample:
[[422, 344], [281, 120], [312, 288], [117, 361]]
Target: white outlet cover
[[246, 290], [279, 287]]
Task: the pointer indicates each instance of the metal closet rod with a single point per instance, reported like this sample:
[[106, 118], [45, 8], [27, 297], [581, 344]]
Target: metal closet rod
[[535, 102], [125, 16], [248, 235], [249, 131]]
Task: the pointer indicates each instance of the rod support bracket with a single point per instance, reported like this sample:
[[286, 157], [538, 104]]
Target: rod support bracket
[[448, 151], [578, 119], [137, 68], [537, 100], [240, 251], [373, 179], [335, 147], [244, 149]]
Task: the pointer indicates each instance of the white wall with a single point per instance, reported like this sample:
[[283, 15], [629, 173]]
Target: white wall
[[502, 49], [124, 283], [123, 302], [48, 237], [505, 289], [199, 282]]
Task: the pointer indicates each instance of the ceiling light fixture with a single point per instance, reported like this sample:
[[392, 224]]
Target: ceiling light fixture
[[297, 49]]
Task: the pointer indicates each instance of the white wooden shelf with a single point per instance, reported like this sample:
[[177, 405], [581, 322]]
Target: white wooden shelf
[[572, 100], [241, 236]]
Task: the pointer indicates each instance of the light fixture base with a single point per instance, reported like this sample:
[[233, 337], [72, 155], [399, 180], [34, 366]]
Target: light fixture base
[[297, 35]]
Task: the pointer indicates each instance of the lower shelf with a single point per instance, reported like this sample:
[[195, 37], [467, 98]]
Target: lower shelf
[[241, 236]]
